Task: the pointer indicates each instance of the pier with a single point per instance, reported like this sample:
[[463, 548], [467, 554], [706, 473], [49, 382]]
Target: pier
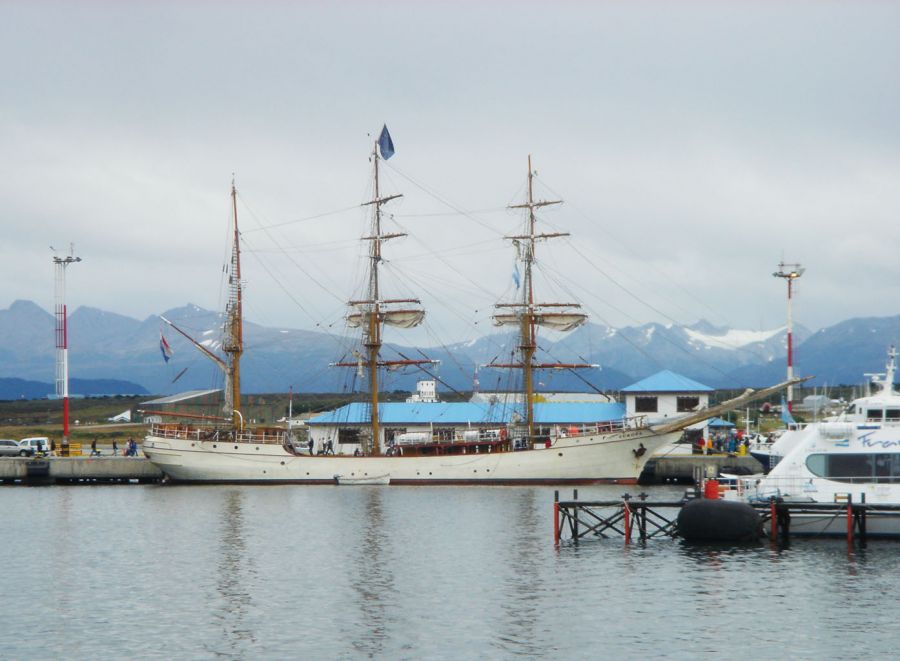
[[78, 470], [636, 517]]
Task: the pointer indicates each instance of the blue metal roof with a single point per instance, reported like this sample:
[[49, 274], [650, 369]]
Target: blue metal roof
[[667, 381], [457, 413], [577, 412]]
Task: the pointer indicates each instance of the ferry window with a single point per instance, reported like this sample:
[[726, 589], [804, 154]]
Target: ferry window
[[882, 465], [851, 467], [686, 404], [816, 464], [842, 467], [874, 414], [645, 405], [892, 414]]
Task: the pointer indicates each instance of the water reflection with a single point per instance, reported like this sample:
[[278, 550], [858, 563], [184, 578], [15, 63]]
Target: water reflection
[[374, 583], [235, 572], [521, 597]]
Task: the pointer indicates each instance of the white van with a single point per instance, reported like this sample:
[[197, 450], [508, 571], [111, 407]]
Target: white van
[[38, 444]]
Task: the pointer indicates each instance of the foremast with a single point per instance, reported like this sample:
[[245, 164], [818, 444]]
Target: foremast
[[527, 314], [233, 329], [373, 312], [233, 341]]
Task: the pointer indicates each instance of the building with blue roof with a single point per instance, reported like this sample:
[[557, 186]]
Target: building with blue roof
[[665, 395]]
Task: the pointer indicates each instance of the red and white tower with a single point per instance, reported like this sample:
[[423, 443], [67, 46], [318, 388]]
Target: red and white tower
[[789, 272], [62, 338]]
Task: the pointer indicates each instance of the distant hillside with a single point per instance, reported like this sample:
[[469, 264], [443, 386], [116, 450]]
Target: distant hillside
[[125, 350], [11, 388]]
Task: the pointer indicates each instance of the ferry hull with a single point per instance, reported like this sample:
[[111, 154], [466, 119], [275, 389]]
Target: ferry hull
[[614, 457]]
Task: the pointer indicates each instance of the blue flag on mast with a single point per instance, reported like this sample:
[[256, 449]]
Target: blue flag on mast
[[385, 144]]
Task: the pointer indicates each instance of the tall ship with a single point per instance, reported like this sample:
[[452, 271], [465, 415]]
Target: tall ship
[[225, 449]]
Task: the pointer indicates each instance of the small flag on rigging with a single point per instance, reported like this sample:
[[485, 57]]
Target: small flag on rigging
[[515, 276], [385, 144], [164, 347], [786, 416]]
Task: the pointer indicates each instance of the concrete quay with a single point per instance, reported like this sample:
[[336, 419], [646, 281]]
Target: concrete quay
[[77, 470], [686, 468]]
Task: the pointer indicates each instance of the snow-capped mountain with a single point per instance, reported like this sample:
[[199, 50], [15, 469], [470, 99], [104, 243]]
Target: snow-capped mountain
[[106, 345]]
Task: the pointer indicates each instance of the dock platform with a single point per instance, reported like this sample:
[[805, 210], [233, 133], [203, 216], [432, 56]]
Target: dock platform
[[638, 517], [78, 470]]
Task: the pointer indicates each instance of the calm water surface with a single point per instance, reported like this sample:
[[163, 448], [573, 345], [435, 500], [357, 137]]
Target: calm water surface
[[170, 572]]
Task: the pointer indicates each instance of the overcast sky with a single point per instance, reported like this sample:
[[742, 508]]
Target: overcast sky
[[695, 144]]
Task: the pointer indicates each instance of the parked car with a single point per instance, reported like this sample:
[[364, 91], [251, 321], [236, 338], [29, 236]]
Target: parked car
[[37, 444], [10, 448]]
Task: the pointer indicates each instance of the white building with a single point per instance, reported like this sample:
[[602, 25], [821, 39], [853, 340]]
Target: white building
[[664, 395]]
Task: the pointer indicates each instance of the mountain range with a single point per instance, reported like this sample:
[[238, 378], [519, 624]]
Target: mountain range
[[125, 352]]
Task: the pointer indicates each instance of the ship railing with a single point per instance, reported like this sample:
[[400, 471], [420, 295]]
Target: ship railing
[[607, 427], [191, 433], [459, 436]]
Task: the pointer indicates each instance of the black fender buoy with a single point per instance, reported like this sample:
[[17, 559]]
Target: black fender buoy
[[714, 520]]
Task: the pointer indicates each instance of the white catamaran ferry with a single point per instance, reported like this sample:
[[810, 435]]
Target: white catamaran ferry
[[854, 456]]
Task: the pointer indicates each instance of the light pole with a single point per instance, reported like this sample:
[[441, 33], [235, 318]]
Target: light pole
[[789, 272], [62, 338]]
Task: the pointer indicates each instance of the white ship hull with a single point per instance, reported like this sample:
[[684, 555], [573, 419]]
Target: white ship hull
[[609, 457]]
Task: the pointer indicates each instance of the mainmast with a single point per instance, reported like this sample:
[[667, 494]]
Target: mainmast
[[527, 314], [233, 342], [373, 312]]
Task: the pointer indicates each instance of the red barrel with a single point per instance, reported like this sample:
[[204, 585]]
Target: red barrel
[[711, 490]]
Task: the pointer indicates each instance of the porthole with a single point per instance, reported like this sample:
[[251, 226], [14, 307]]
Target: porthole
[[257, 448], [193, 444], [282, 463], [215, 446], [235, 447], [560, 454]]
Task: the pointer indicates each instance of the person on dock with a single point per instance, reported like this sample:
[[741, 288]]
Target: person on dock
[[311, 446], [94, 452], [115, 447]]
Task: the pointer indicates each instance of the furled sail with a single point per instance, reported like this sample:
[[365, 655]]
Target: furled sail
[[404, 318], [398, 318], [507, 319], [558, 321]]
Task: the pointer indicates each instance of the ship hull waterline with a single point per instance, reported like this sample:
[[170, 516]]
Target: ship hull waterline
[[615, 458]]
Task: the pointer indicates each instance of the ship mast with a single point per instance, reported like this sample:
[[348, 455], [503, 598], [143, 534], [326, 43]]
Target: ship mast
[[233, 342], [373, 312], [527, 314]]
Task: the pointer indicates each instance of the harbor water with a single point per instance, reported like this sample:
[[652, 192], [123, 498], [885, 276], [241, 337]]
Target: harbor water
[[281, 572]]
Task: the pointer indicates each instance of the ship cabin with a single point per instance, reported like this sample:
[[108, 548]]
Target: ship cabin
[[441, 428]]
